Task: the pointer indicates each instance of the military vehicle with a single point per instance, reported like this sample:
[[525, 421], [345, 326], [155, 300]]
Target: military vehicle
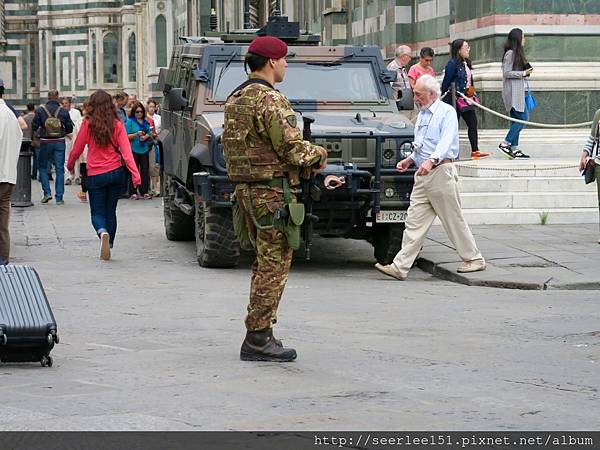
[[343, 100]]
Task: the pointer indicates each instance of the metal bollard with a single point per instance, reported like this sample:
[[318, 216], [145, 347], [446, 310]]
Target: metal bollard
[[21, 195]]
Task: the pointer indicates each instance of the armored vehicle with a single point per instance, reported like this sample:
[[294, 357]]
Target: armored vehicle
[[343, 100]]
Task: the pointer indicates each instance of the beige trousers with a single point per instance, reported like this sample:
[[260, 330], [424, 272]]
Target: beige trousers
[[435, 195], [5, 192]]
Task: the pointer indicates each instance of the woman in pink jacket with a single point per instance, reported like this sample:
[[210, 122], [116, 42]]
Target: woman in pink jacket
[[108, 158]]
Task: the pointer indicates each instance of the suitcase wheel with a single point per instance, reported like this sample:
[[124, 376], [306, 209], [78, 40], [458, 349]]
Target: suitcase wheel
[[46, 361]]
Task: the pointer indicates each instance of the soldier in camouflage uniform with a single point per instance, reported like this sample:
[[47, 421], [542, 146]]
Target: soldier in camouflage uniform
[[265, 154]]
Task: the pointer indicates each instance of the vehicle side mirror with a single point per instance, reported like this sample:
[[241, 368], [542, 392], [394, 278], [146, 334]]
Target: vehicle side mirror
[[388, 76], [177, 99]]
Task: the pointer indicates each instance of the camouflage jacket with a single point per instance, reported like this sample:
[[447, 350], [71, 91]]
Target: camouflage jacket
[[261, 139]]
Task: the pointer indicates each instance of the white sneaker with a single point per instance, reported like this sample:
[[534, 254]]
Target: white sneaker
[[390, 271], [104, 246], [472, 266]]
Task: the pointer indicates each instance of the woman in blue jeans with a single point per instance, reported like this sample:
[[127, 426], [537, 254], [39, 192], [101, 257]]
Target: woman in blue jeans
[[515, 71], [108, 160]]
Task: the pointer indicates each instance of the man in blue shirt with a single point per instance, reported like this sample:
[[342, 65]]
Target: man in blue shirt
[[52, 144], [435, 192]]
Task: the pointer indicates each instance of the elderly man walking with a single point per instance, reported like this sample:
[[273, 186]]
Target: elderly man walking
[[435, 192], [10, 145]]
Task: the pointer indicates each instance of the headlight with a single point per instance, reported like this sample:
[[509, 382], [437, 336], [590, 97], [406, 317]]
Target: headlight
[[406, 148], [389, 192]]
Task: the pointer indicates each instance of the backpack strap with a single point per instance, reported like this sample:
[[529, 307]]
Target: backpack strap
[[55, 115]]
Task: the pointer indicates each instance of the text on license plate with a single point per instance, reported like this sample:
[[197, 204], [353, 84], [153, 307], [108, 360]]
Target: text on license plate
[[391, 216]]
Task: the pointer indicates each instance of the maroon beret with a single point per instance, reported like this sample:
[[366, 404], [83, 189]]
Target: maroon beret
[[269, 47]]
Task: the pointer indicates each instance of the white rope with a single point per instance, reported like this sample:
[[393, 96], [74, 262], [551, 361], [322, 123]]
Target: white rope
[[516, 169], [525, 122]]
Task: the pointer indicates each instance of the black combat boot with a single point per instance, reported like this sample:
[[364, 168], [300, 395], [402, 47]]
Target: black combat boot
[[262, 346]]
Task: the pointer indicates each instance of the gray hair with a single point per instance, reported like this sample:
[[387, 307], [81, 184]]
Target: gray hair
[[403, 50], [431, 84]]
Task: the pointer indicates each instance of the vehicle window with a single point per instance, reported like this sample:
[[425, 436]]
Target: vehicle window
[[349, 81]]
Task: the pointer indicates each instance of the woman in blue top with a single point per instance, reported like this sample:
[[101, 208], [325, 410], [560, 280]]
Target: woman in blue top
[[458, 71], [140, 136]]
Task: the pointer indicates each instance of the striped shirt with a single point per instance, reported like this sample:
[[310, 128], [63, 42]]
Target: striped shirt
[[589, 145]]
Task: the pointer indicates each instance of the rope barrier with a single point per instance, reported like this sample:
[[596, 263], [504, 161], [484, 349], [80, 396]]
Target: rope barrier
[[517, 169], [524, 122]]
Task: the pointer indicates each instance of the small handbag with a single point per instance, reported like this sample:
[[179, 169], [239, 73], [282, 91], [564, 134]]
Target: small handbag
[[530, 102], [589, 173], [464, 105]]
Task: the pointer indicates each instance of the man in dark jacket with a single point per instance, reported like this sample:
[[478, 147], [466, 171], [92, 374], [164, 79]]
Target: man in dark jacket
[[52, 144]]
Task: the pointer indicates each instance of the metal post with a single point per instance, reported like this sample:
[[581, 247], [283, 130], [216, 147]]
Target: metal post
[[21, 195]]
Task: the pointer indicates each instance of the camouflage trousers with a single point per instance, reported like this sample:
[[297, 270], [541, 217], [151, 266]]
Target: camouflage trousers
[[273, 256]]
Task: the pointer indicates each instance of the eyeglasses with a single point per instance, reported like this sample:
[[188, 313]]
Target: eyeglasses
[[139, 111]]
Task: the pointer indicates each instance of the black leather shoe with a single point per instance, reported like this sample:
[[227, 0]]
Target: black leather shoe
[[262, 346]]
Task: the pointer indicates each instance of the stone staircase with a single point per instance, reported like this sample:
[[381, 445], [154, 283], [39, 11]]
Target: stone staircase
[[545, 188]]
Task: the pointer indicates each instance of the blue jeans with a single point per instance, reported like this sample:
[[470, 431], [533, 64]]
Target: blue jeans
[[515, 128], [53, 151], [104, 191]]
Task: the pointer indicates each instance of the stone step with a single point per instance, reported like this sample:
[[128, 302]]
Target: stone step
[[538, 143], [522, 168], [522, 184], [528, 200], [508, 216]]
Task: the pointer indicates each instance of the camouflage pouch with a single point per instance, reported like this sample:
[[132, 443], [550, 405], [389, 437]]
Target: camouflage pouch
[[239, 226], [291, 225]]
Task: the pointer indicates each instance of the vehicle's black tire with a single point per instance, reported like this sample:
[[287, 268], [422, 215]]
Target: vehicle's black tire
[[216, 244], [387, 241], [178, 225]]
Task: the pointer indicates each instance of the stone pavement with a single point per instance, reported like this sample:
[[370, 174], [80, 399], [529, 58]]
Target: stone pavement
[[150, 341], [522, 256]]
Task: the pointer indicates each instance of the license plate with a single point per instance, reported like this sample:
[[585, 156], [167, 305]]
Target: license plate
[[391, 216]]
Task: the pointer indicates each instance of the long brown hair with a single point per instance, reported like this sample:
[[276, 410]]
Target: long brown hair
[[102, 114], [514, 42]]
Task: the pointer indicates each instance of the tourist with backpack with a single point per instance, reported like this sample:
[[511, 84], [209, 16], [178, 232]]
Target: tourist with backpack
[[52, 123]]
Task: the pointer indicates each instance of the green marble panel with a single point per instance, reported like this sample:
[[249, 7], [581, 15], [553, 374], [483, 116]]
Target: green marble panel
[[580, 48], [468, 10], [577, 106], [493, 100], [591, 7], [509, 6], [538, 6], [545, 48], [594, 103], [567, 6], [404, 33]]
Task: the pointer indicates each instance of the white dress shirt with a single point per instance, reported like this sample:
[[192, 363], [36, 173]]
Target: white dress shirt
[[11, 136], [436, 134]]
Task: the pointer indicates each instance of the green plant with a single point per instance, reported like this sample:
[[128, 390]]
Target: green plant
[[544, 217]]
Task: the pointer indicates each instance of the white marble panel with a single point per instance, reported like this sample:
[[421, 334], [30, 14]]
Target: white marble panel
[[403, 14]]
